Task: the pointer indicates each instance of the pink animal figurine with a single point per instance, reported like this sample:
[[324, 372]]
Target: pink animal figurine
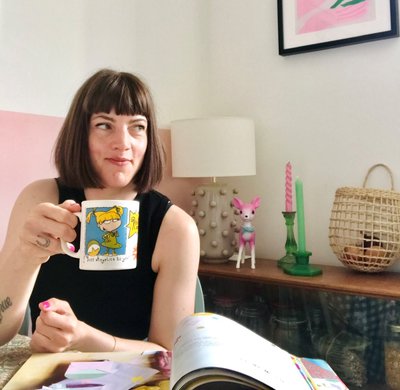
[[247, 234]]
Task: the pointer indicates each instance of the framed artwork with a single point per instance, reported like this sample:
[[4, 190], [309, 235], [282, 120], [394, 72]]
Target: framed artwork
[[309, 25]]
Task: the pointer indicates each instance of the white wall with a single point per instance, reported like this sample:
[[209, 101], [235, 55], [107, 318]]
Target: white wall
[[47, 49], [332, 113]]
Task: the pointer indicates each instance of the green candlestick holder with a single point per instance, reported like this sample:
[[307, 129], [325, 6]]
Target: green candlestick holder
[[290, 245], [302, 266]]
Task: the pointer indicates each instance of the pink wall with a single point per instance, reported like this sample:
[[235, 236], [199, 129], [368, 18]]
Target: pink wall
[[26, 154], [26, 146]]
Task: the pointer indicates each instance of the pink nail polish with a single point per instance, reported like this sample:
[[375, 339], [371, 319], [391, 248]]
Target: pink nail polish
[[45, 305], [71, 247]]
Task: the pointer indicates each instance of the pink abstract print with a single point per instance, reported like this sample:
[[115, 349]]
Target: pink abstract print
[[317, 15]]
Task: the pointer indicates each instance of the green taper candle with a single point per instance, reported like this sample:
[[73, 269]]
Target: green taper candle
[[301, 231]]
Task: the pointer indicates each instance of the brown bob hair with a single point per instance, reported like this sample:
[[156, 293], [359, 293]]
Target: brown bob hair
[[106, 90]]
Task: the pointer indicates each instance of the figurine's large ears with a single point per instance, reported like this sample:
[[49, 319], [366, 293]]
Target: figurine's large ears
[[256, 202], [237, 202]]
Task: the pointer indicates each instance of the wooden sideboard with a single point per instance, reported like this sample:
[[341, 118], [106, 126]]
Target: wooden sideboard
[[333, 279], [356, 304]]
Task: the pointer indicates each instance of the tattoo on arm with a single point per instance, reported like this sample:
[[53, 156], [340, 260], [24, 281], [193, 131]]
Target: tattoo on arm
[[4, 305]]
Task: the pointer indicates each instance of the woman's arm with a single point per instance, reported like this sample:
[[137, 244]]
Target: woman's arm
[[176, 260], [58, 330], [34, 217]]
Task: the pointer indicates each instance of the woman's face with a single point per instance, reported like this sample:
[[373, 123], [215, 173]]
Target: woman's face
[[117, 144]]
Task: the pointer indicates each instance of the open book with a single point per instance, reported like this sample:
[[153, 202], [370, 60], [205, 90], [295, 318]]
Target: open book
[[210, 352], [211, 349]]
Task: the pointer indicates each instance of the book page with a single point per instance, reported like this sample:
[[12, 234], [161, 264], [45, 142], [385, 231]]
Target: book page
[[210, 340]]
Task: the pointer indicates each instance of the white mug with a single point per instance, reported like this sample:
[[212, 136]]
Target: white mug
[[109, 235]]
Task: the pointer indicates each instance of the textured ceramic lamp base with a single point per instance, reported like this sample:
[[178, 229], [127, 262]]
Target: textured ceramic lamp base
[[214, 215]]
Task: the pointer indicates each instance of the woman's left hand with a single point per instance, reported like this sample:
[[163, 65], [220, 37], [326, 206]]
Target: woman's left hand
[[57, 328]]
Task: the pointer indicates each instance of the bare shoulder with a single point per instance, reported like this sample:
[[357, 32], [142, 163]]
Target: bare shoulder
[[178, 222], [44, 190], [40, 191], [178, 240]]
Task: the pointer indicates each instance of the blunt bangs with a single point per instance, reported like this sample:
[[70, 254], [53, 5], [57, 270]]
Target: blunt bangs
[[124, 93]]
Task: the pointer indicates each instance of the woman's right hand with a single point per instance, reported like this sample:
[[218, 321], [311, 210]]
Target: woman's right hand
[[35, 225], [45, 225]]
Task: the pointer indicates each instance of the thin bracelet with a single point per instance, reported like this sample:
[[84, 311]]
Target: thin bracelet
[[115, 343]]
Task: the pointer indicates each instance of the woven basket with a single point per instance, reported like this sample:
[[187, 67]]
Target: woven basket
[[364, 229]]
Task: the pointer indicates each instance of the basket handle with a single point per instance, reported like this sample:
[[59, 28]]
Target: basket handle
[[383, 166]]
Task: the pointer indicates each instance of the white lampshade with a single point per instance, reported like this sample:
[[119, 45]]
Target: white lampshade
[[213, 147]]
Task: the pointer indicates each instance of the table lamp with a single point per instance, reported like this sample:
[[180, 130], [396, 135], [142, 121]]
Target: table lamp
[[213, 147]]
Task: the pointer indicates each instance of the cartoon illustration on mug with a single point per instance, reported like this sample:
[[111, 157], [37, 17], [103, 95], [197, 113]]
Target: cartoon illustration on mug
[[108, 221], [108, 231], [133, 226], [93, 248], [133, 223]]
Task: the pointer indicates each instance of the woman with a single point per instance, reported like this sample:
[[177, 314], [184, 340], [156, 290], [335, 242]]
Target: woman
[[108, 148]]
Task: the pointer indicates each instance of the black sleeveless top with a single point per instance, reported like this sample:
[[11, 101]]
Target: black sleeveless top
[[116, 302]]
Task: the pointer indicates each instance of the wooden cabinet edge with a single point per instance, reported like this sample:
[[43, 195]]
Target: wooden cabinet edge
[[333, 279]]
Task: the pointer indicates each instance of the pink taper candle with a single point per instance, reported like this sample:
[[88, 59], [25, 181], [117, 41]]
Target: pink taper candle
[[288, 188]]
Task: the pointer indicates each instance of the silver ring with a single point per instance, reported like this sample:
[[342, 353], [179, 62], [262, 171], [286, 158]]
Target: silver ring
[[43, 242]]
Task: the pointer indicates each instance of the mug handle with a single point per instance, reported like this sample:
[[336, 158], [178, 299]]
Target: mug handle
[[64, 244]]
